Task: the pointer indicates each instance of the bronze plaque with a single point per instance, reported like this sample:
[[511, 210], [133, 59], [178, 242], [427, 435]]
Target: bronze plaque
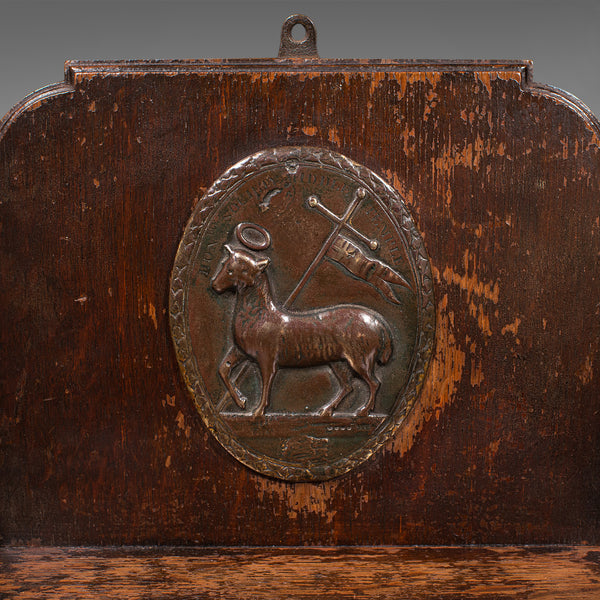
[[302, 312]]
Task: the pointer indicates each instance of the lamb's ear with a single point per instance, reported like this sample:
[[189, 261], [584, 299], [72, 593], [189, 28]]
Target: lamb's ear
[[262, 264], [228, 248]]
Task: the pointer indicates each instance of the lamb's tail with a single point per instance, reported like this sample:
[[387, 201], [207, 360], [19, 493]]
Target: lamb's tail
[[385, 345]]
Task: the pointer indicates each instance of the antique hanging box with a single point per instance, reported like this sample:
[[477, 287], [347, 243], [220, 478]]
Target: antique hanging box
[[300, 302]]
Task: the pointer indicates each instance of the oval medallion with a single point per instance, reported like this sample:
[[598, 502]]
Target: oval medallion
[[302, 313]]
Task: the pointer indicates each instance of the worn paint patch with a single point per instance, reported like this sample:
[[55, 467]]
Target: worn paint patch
[[406, 193], [334, 136], [478, 313], [148, 310], [377, 79], [431, 77], [152, 314], [512, 327], [299, 499], [470, 155], [180, 420], [401, 79], [486, 77], [477, 376], [262, 76], [585, 373], [469, 282]]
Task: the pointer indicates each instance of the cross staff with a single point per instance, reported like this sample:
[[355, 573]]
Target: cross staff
[[341, 222], [314, 202]]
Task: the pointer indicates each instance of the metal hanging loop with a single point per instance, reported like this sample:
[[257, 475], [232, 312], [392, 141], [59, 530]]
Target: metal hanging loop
[[303, 48]]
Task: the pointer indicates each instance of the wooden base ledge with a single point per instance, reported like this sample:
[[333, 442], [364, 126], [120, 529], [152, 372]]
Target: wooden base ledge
[[552, 572]]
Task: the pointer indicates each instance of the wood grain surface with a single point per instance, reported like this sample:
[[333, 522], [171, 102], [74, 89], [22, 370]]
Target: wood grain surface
[[552, 573], [100, 442]]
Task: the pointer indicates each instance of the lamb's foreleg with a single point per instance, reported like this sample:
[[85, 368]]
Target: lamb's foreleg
[[267, 372], [232, 358]]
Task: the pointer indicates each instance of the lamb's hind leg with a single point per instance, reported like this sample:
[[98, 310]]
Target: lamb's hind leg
[[366, 369], [373, 384], [232, 358], [344, 377]]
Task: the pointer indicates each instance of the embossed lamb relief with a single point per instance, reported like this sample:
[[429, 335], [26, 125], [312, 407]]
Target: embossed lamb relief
[[302, 311]]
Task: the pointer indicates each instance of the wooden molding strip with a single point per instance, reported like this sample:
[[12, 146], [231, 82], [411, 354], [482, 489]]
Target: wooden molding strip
[[134, 573]]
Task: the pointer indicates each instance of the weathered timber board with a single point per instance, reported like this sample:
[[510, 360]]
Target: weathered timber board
[[552, 573], [100, 442]]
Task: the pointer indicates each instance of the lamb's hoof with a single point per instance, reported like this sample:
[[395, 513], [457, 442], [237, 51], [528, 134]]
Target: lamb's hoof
[[241, 401], [259, 413], [326, 412], [363, 412]]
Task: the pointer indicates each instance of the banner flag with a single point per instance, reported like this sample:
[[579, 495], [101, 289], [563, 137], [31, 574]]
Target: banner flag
[[366, 267]]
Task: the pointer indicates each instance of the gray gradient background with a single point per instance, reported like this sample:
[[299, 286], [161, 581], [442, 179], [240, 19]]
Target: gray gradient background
[[563, 38]]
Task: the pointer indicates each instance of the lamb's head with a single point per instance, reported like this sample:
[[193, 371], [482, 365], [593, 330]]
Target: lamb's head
[[238, 269]]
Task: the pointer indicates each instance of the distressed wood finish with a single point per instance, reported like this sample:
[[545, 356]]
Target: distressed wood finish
[[244, 574], [100, 442]]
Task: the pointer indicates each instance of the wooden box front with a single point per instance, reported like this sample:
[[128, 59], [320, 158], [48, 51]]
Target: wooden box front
[[100, 442]]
